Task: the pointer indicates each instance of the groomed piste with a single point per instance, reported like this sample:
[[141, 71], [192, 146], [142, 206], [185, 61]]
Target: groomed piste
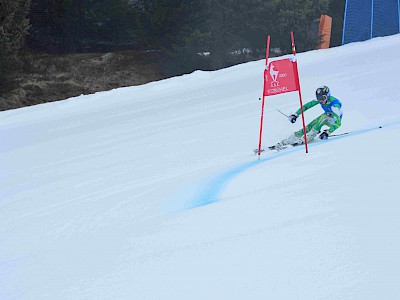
[[153, 192]]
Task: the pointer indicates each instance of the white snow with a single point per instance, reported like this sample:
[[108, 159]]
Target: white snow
[[153, 192]]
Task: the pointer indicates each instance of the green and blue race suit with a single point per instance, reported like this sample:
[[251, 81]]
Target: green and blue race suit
[[331, 118]]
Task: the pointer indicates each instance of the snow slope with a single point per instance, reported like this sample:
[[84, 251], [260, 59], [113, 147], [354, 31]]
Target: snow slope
[[152, 192]]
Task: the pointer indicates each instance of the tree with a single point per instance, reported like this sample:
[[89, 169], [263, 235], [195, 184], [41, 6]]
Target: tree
[[13, 25], [296, 16], [158, 22], [71, 26], [225, 28], [13, 29], [109, 23], [336, 11], [46, 32], [236, 26], [184, 29]]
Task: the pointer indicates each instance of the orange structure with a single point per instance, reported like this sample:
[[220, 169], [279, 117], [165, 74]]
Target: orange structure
[[324, 31]]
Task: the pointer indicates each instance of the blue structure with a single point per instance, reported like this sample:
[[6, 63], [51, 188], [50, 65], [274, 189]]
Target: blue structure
[[365, 19]]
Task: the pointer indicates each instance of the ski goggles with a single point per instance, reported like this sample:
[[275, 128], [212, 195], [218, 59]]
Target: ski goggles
[[322, 98]]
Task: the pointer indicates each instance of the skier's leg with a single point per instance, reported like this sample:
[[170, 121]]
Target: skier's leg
[[323, 120], [298, 137], [315, 126], [312, 129], [295, 138]]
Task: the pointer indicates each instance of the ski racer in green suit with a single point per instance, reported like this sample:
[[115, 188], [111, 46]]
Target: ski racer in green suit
[[332, 118]]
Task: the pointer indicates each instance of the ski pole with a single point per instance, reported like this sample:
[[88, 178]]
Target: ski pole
[[278, 110]]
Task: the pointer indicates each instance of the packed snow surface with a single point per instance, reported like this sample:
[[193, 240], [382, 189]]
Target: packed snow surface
[[153, 192]]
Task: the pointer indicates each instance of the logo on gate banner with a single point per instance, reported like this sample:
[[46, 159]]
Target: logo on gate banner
[[279, 78]]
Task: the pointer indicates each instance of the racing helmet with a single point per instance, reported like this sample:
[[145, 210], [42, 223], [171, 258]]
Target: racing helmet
[[323, 93]]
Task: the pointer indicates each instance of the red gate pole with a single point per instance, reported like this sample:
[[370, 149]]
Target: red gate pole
[[263, 101], [296, 72]]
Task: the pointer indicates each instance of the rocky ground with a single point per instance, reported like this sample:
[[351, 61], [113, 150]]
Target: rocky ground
[[39, 78]]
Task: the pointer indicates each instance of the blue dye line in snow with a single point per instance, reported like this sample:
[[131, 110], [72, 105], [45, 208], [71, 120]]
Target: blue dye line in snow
[[212, 189]]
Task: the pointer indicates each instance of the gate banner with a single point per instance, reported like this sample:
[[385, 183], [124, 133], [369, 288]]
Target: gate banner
[[280, 77]]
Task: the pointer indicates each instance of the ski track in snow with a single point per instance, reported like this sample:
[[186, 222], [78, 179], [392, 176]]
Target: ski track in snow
[[208, 191]]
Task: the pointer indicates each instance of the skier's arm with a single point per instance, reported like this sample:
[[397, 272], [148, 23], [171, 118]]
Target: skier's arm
[[307, 106]]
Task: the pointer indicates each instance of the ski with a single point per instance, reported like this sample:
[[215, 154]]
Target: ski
[[317, 140], [256, 151], [290, 146], [354, 131], [277, 148]]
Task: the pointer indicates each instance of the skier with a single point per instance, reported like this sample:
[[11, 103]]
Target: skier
[[332, 117]]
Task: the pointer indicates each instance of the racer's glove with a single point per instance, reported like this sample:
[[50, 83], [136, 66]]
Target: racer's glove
[[329, 114], [324, 135], [292, 118]]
